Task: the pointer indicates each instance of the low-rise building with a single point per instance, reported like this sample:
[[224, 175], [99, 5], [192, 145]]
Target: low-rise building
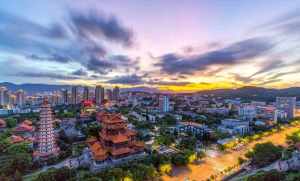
[[138, 116], [280, 115], [265, 112], [234, 126], [25, 129], [151, 118], [192, 127], [178, 117], [247, 112], [221, 111]]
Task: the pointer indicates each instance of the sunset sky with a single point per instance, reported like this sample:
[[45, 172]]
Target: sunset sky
[[173, 45]]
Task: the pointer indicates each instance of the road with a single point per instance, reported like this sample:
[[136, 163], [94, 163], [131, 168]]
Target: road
[[214, 165], [245, 174]]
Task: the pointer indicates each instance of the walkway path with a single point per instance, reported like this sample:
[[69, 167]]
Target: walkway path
[[214, 165]]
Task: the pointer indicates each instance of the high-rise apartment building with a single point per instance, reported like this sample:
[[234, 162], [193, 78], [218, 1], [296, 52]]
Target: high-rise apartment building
[[109, 94], [116, 93], [99, 94], [12, 99], [54, 99], [86, 93], [20, 97], [287, 104], [164, 104], [2, 95], [65, 96], [74, 96], [45, 133], [6, 97]]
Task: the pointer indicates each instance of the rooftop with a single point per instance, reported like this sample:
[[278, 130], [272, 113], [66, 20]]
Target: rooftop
[[25, 126], [2, 123]]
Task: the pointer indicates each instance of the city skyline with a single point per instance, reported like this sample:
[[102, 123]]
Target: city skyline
[[169, 45]]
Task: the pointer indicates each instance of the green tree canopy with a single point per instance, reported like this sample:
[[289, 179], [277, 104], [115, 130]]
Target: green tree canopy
[[264, 154], [18, 148], [11, 122], [267, 176], [57, 174], [20, 162], [293, 138]]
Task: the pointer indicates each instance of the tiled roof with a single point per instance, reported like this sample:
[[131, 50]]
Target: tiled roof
[[2, 123], [119, 138], [120, 151], [91, 140], [99, 153], [109, 118], [27, 122], [113, 123], [16, 139], [23, 127], [130, 132], [138, 143]]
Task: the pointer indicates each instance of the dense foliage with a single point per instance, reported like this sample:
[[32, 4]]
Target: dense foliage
[[274, 175], [133, 172], [293, 138], [11, 122], [57, 174], [264, 154], [267, 176], [15, 160]]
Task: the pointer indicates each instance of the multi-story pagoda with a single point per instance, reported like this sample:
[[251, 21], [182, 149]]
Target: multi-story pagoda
[[45, 137], [115, 139]]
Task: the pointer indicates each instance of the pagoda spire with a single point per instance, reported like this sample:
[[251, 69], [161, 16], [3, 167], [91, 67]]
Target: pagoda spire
[[45, 133]]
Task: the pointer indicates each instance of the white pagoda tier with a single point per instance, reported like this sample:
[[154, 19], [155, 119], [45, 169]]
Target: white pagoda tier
[[45, 136]]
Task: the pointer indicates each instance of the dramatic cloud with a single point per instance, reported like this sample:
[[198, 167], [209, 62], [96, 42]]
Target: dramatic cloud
[[243, 79], [137, 80], [274, 64], [80, 72], [99, 66], [53, 57], [48, 75], [174, 83], [88, 40], [94, 50], [98, 25], [78, 38], [106, 65], [288, 24], [267, 66], [12, 24], [268, 82], [278, 75], [131, 80], [232, 54]]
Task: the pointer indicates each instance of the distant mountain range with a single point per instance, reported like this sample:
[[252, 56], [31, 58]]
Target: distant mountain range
[[35, 88], [254, 93], [248, 92], [141, 89]]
